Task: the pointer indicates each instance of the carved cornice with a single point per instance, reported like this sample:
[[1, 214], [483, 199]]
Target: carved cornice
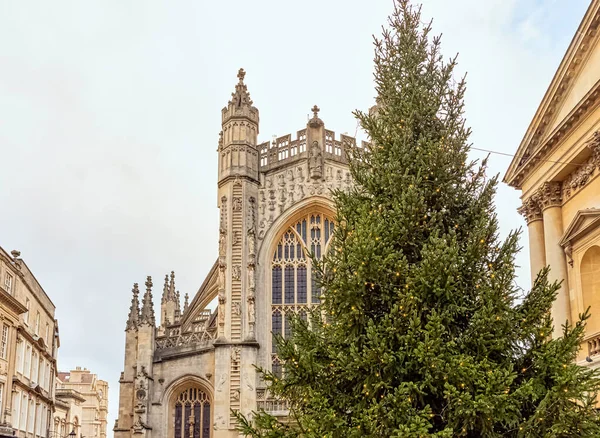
[[531, 209], [10, 302], [586, 171], [550, 194]]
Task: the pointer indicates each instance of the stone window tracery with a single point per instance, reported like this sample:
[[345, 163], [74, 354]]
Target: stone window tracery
[[291, 269], [192, 414]]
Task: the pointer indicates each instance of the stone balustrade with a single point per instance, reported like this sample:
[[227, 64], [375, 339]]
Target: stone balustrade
[[593, 344]]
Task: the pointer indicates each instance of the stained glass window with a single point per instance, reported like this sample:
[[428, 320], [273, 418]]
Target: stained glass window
[[276, 285], [192, 414], [301, 284], [291, 292], [276, 325]]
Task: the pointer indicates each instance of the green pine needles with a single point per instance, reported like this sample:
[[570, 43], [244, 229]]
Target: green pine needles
[[422, 331]]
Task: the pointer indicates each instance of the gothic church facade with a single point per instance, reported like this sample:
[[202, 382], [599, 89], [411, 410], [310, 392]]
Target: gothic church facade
[[183, 376]]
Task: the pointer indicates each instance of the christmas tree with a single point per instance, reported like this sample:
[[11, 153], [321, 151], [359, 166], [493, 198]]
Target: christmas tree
[[422, 331]]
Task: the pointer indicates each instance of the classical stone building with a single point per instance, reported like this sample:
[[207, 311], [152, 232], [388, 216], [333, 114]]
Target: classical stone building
[[81, 404], [28, 349], [67, 412], [182, 377], [557, 169]]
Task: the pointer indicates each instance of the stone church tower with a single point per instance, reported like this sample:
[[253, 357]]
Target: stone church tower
[[183, 377]]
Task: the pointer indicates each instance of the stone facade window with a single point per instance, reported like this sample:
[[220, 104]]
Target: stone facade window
[[291, 267], [192, 414], [8, 283], [4, 342]]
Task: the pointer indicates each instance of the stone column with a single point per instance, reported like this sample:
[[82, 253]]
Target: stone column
[[551, 201], [532, 211]]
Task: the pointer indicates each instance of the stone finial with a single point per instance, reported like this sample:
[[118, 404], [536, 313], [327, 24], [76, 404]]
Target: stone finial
[[531, 209], [186, 303], [240, 97], [147, 313], [241, 74], [178, 301], [315, 122], [315, 109], [550, 194], [134, 310]]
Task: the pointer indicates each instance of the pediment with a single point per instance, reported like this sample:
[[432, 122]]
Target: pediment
[[578, 86], [583, 222], [206, 293], [572, 92]]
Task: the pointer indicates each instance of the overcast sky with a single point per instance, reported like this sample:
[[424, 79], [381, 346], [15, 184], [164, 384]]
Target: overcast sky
[[110, 114]]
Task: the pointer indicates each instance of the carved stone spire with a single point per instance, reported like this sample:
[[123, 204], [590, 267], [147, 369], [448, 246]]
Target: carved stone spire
[[134, 311], [178, 302], [240, 97], [186, 303], [165, 293], [172, 296], [147, 314]]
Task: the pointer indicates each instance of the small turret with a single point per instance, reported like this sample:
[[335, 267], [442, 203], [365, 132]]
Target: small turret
[[147, 313], [133, 319], [238, 155], [186, 302]]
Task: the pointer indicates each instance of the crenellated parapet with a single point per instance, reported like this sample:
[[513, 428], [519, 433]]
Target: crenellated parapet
[[283, 151]]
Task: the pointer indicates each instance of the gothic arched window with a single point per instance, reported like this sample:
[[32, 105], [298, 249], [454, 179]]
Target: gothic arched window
[[192, 414], [291, 269]]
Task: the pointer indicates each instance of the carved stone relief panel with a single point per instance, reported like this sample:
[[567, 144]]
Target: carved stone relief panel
[[286, 187]]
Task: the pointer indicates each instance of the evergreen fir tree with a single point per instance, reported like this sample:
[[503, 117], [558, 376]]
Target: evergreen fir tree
[[425, 333]]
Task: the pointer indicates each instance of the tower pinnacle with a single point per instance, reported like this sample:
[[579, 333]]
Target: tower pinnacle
[[147, 314], [171, 295], [134, 311], [240, 97], [165, 290]]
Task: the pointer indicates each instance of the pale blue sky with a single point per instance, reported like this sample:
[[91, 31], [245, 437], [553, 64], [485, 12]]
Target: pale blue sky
[[110, 113]]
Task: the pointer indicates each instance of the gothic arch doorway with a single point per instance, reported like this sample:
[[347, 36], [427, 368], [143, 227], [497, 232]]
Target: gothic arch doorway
[[191, 413]]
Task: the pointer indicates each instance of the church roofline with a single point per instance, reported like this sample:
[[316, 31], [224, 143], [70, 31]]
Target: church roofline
[[203, 297], [538, 140]]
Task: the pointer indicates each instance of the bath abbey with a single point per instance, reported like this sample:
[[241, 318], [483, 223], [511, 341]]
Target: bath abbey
[[186, 367]]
